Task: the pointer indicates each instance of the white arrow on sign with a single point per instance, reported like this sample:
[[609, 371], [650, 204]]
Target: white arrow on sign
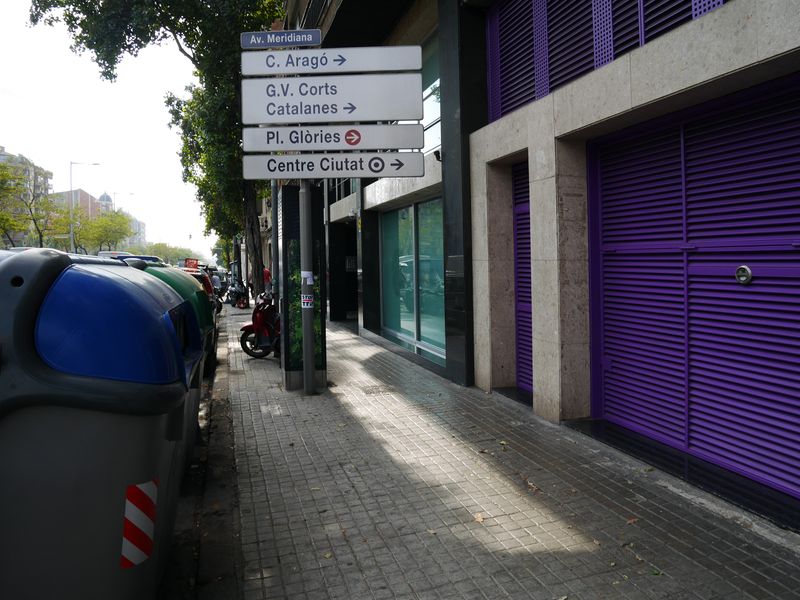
[[319, 166], [335, 99], [332, 60], [332, 137]]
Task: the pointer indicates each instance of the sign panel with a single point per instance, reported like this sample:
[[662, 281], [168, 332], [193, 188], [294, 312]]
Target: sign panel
[[334, 99], [332, 137], [280, 39], [332, 60], [319, 166]]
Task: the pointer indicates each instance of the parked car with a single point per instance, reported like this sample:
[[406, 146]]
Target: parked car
[[113, 253]]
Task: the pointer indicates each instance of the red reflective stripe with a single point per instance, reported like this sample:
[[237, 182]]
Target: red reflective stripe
[[137, 537], [142, 501], [125, 563]]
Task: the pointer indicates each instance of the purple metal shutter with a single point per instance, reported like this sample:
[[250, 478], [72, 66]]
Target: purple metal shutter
[[643, 286], [570, 40], [515, 54], [742, 191], [744, 352], [685, 353], [522, 275]]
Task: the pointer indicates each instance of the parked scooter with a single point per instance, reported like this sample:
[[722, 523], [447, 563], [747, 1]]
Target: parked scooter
[[263, 335], [237, 296]]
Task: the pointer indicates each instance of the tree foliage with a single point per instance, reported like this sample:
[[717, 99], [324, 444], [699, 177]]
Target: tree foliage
[[11, 212], [107, 230], [208, 34], [169, 254], [28, 206], [223, 252]]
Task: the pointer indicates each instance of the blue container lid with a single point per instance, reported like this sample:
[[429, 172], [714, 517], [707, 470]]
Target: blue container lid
[[111, 321]]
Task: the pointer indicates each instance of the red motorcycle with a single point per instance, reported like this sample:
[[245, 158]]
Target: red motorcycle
[[263, 335]]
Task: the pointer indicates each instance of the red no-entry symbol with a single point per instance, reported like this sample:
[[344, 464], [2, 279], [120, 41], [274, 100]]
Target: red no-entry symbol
[[352, 137]]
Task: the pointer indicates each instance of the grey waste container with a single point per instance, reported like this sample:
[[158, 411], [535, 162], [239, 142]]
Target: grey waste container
[[94, 359]]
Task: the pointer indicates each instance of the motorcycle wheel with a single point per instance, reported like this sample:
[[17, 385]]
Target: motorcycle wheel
[[248, 344], [242, 302]]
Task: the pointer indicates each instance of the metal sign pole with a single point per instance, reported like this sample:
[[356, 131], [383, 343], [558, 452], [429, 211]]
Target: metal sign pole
[[307, 289], [274, 266]]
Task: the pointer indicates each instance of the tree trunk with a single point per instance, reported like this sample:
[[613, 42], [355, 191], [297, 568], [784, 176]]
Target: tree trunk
[[252, 237], [237, 258]]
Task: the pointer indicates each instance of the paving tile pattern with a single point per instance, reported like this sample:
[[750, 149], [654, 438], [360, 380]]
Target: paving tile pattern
[[395, 483]]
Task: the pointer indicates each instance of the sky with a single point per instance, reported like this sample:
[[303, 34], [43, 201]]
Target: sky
[[56, 110]]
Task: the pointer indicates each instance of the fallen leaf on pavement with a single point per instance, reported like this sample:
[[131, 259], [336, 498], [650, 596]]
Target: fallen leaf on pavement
[[597, 542], [478, 517], [431, 531], [632, 520], [328, 555]]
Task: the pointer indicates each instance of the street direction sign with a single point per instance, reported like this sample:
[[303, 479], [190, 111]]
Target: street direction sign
[[280, 39], [332, 60], [334, 99], [332, 137], [319, 166]]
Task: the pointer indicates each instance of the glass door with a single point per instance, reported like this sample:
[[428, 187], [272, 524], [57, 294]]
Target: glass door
[[412, 278]]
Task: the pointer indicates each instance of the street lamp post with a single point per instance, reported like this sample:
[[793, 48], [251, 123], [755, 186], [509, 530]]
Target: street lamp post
[[72, 204]]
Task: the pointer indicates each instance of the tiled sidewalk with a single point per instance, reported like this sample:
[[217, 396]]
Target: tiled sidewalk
[[395, 483]]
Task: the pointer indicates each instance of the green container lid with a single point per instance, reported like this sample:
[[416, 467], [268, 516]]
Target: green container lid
[[189, 289]]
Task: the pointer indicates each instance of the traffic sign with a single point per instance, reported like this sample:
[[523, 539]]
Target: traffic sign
[[332, 137], [343, 164], [332, 60], [334, 99], [280, 39]]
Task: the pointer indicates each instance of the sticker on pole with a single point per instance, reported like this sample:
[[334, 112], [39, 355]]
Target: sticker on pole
[[307, 300], [138, 528]]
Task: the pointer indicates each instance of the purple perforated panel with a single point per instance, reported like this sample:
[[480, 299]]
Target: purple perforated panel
[[603, 32], [540, 50], [701, 7]]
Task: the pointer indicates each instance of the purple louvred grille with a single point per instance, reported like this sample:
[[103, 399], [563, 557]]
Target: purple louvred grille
[[570, 38], [522, 275], [535, 46]]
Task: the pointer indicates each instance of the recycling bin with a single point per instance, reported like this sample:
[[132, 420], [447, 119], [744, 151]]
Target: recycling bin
[[94, 364], [191, 290]]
